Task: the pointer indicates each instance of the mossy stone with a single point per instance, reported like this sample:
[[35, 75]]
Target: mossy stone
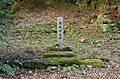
[[63, 62], [34, 64], [55, 62], [37, 64], [66, 49], [50, 48], [47, 55], [94, 62]]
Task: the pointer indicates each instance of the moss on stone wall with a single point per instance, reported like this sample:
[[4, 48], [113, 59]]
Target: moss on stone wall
[[36, 64], [63, 62], [51, 48], [47, 55], [94, 62]]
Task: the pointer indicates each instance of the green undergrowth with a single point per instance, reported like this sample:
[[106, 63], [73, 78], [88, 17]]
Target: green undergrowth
[[71, 68], [39, 33], [8, 69], [48, 31], [22, 16], [30, 50], [48, 55]]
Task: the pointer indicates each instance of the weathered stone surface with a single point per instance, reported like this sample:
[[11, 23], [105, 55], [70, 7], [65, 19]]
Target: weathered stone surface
[[37, 64], [63, 62], [68, 54], [94, 62], [34, 64], [50, 48]]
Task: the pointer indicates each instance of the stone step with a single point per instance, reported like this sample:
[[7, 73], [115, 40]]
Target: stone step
[[58, 54], [58, 48], [38, 64]]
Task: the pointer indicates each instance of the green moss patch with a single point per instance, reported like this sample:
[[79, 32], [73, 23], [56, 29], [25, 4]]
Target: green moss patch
[[47, 55], [37, 64], [95, 62], [63, 62], [59, 49], [34, 64]]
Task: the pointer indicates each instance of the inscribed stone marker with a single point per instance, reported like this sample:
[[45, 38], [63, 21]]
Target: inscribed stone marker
[[60, 30]]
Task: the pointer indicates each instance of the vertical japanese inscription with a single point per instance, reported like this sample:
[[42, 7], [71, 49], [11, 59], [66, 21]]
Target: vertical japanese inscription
[[60, 30]]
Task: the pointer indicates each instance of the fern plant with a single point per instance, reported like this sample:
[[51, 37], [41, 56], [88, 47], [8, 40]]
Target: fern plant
[[5, 18], [70, 68], [8, 69]]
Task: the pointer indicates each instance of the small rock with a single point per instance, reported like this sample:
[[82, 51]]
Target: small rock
[[53, 67], [58, 72], [30, 72], [94, 75], [84, 72], [22, 77], [0, 77], [35, 74], [89, 67], [68, 73]]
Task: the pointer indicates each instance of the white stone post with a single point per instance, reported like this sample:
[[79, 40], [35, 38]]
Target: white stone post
[[60, 30]]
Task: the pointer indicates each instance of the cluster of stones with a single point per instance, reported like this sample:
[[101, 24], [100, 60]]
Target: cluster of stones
[[65, 52]]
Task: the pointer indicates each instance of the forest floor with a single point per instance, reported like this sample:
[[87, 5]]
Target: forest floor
[[34, 29]]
